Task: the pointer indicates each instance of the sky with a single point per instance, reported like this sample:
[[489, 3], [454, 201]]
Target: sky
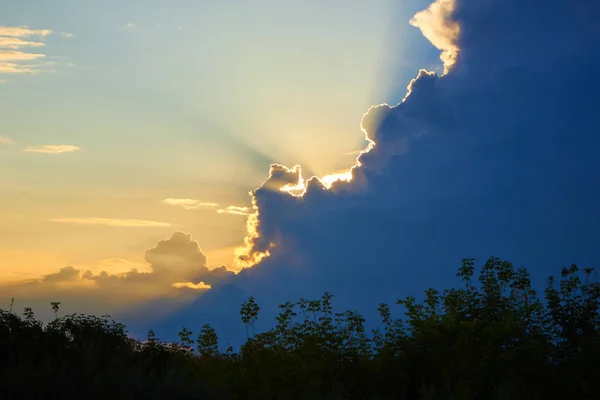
[[155, 100], [159, 155]]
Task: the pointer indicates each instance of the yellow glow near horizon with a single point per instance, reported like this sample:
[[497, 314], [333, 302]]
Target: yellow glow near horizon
[[328, 180]]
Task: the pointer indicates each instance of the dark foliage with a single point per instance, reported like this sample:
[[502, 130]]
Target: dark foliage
[[491, 339]]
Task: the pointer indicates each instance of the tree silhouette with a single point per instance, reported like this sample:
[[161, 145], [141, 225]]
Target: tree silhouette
[[55, 307], [492, 337]]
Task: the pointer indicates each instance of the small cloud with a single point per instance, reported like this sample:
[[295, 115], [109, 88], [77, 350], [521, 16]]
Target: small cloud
[[12, 55], [67, 35], [13, 68], [138, 223], [234, 210], [2, 81], [23, 31], [6, 139], [191, 285], [180, 28], [188, 204], [52, 149], [16, 43], [58, 63], [130, 25]]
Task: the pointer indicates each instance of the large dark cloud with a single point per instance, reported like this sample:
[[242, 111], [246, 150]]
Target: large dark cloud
[[496, 157]]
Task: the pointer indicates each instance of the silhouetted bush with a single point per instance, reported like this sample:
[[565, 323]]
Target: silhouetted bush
[[491, 339]]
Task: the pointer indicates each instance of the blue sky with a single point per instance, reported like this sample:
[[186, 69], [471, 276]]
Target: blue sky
[[494, 157]]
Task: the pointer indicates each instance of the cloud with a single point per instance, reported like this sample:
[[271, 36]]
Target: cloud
[[11, 55], [23, 31], [437, 25], [235, 210], [52, 149], [6, 140], [188, 204], [192, 204], [341, 176], [2, 81], [68, 274], [14, 41], [497, 156], [192, 286], [13, 68], [137, 223], [176, 270], [130, 26]]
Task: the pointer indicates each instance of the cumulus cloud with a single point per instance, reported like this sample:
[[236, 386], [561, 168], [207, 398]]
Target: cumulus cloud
[[478, 161], [176, 269], [497, 156], [189, 204], [66, 274], [438, 26], [176, 262], [137, 223]]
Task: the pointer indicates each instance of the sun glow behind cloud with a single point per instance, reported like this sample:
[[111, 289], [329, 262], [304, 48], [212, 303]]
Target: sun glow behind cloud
[[288, 64], [437, 25], [290, 181]]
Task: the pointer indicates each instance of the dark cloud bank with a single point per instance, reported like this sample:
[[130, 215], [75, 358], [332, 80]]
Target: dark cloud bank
[[497, 157]]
